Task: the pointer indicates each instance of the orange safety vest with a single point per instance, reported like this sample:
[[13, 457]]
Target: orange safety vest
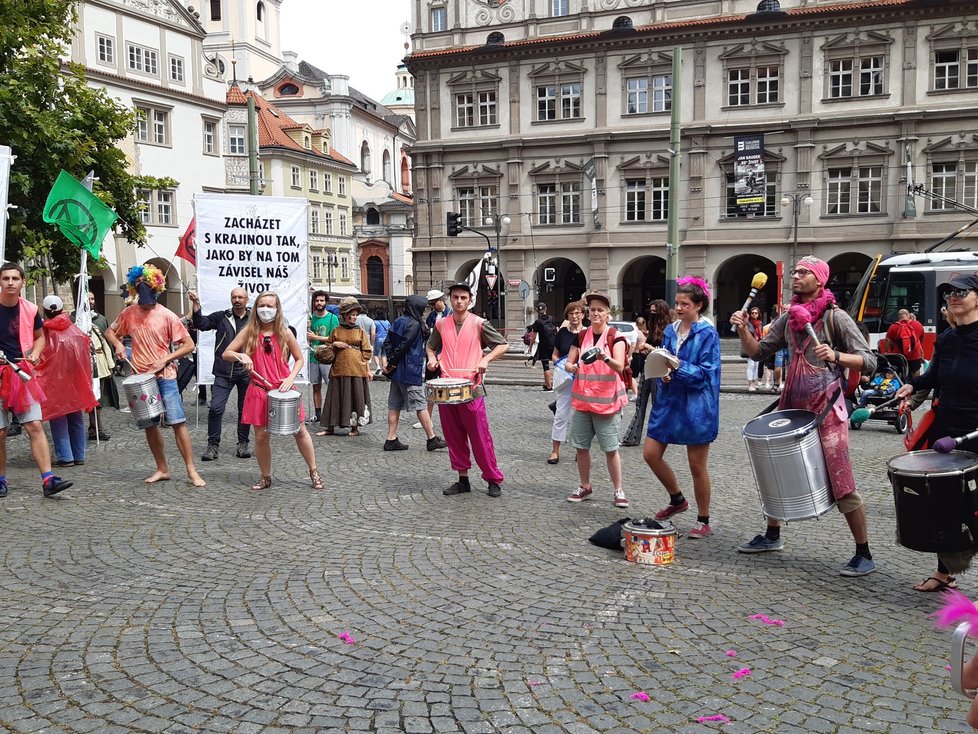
[[597, 388], [461, 350]]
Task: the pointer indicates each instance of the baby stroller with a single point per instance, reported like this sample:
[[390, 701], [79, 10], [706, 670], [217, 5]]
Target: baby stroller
[[893, 414]]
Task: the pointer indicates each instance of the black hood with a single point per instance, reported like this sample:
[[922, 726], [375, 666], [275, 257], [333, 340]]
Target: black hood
[[414, 307]]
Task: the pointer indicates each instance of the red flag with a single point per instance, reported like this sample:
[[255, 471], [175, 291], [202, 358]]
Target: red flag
[[188, 246]]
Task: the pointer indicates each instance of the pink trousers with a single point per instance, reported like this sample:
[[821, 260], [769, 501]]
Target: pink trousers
[[464, 424]]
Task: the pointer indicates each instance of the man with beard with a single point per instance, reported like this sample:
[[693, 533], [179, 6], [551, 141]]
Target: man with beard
[[321, 325], [227, 376], [404, 347]]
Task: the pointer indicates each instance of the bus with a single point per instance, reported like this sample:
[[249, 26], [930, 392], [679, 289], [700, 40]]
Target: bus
[[912, 281]]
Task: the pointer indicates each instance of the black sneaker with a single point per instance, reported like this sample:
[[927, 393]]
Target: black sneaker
[[101, 436], [210, 453], [457, 488], [435, 443], [395, 445], [3, 490], [242, 452], [53, 485], [494, 490]]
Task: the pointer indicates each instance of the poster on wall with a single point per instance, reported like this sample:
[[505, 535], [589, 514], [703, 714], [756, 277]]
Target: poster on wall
[[750, 182], [259, 243]]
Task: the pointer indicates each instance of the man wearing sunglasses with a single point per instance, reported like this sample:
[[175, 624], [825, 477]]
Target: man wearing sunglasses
[[814, 378], [227, 375]]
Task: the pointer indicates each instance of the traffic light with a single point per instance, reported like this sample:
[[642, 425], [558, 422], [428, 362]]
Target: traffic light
[[453, 225]]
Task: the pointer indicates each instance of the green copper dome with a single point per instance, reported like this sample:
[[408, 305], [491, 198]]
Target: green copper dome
[[403, 96]]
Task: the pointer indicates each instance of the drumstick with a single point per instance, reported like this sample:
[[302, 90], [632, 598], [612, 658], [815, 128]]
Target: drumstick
[[947, 444], [810, 330], [861, 415], [20, 373], [757, 282]]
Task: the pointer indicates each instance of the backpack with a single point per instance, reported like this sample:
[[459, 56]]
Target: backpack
[[529, 336], [907, 346], [550, 330]]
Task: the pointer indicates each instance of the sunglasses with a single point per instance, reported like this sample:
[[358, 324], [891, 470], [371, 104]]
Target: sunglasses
[[266, 344], [800, 272], [957, 293]]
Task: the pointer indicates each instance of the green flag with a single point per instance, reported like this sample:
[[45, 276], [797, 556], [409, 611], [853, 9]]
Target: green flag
[[80, 215]]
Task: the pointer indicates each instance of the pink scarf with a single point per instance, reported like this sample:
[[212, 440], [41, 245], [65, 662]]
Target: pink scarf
[[800, 314]]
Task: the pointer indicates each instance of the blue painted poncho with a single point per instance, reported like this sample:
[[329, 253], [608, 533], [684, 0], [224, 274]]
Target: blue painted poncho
[[687, 408]]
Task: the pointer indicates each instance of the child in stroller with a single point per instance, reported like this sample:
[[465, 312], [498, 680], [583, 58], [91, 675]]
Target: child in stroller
[[892, 370], [883, 385]]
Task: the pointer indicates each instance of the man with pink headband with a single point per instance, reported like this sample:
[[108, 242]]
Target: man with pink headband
[[815, 377]]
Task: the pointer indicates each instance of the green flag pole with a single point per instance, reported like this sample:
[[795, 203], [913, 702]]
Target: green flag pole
[[88, 182]]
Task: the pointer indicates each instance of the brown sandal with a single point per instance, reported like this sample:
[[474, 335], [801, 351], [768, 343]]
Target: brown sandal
[[263, 483], [317, 480]]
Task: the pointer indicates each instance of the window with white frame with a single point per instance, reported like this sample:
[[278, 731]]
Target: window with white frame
[[157, 207], [771, 208], [559, 101], [296, 177], [345, 267], [476, 203], [210, 137], [474, 100], [854, 190], [558, 8], [314, 220], [343, 218], [570, 202], [176, 69], [317, 267], [856, 77], [341, 182], [649, 93], [106, 50], [313, 180], [439, 20], [954, 180], [753, 73], [646, 199], [328, 221], [956, 68], [328, 182], [236, 140], [559, 202], [547, 203], [152, 125], [143, 60]]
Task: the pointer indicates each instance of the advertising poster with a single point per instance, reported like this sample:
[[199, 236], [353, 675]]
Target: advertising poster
[[750, 182], [258, 243]]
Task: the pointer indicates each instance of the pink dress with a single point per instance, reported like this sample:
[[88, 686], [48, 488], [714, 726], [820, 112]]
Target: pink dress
[[273, 368]]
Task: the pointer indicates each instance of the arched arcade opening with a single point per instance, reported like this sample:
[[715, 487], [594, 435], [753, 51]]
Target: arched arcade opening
[[643, 281], [846, 270], [731, 286], [558, 282]]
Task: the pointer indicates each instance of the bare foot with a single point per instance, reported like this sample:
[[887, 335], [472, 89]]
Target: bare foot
[[327, 432], [196, 479], [969, 674], [158, 476]]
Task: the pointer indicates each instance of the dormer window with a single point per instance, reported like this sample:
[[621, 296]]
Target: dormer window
[[288, 90]]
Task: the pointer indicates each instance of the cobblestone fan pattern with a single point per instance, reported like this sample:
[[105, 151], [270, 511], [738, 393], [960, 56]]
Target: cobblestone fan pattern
[[130, 608]]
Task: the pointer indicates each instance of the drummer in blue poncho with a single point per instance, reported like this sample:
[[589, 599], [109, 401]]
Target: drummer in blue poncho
[[687, 407]]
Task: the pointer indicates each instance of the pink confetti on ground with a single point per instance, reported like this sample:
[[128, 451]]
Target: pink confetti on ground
[[767, 620], [718, 717], [742, 673], [640, 696], [731, 653], [347, 637], [534, 683]]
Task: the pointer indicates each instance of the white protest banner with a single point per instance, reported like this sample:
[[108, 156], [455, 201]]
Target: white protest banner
[[259, 243]]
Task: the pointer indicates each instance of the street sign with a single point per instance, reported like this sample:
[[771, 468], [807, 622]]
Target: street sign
[[513, 282], [491, 281], [524, 290]]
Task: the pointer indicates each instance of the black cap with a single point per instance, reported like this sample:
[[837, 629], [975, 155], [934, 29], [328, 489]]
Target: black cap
[[460, 285], [964, 282]]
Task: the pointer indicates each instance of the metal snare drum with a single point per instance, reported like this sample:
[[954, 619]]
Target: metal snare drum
[[450, 391], [143, 395], [283, 412], [789, 467], [936, 497]]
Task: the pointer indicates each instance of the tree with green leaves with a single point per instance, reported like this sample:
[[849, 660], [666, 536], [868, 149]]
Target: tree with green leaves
[[53, 120]]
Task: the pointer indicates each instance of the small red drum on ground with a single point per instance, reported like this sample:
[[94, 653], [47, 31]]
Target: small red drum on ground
[[650, 546]]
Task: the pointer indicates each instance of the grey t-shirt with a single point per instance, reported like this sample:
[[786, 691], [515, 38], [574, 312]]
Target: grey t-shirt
[[366, 323], [846, 338]]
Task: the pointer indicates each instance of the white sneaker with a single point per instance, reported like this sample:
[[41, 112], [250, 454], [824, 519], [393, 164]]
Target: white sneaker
[[620, 499], [417, 424], [125, 409]]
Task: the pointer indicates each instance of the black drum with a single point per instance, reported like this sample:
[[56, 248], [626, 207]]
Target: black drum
[[936, 498]]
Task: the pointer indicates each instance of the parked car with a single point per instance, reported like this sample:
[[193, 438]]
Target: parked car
[[629, 330]]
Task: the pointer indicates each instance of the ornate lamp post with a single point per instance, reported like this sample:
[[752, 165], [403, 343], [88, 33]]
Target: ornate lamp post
[[795, 201]]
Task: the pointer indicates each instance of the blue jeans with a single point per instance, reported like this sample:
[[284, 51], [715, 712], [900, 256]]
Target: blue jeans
[[69, 436]]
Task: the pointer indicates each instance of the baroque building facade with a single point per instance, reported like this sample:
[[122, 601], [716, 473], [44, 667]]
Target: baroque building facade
[[555, 114]]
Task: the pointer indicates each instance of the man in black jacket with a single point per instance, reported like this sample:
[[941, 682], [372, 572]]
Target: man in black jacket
[[227, 375]]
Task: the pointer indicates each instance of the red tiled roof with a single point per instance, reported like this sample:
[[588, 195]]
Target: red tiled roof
[[678, 24], [273, 126], [402, 197]]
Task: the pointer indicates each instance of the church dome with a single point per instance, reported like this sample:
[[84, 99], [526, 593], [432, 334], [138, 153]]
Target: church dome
[[399, 97]]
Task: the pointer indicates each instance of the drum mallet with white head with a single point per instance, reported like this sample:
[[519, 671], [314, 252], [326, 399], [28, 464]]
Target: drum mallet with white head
[[757, 282], [947, 444], [20, 373]]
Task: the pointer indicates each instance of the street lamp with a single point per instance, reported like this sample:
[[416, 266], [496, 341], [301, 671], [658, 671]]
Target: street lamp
[[795, 200], [331, 262]]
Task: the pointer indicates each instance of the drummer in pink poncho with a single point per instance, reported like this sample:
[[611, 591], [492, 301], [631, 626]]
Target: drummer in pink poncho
[[814, 376], [264, 347]]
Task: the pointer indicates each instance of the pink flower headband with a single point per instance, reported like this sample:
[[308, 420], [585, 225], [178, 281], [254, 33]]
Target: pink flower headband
[[693, 280]]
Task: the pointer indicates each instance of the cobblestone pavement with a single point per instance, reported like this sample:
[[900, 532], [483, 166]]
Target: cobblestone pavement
[[129, 608]]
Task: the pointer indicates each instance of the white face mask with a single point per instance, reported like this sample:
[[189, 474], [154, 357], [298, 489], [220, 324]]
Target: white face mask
[[266, 314]]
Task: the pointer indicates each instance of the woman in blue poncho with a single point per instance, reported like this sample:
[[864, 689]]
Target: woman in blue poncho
[[687, 408]]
